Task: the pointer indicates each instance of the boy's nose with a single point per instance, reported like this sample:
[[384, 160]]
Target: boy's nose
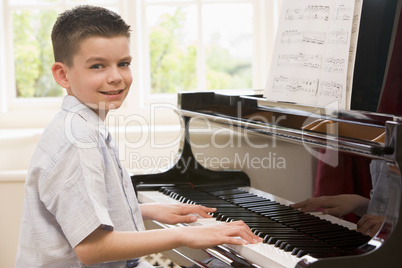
[[114, 76]]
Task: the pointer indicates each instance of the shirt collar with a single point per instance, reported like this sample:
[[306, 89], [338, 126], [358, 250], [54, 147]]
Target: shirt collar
[[73, 105]]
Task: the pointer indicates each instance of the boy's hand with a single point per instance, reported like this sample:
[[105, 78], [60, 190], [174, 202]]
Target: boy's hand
[[174, 213], [237, 233]]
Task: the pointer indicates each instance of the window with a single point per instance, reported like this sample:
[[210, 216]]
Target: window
[[197, 45], [180, 45]]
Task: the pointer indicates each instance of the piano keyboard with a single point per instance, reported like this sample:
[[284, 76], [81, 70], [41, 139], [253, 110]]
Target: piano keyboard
[[289, 235]]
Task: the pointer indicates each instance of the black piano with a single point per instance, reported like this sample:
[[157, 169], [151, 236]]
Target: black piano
[[248, 120]]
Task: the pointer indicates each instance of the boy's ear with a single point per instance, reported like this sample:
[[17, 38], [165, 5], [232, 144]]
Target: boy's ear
[[59, 71]]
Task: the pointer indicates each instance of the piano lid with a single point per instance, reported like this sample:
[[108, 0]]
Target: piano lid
[[359, 132]]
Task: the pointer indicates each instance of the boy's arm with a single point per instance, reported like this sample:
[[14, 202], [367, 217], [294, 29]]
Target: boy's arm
[[103, 246]]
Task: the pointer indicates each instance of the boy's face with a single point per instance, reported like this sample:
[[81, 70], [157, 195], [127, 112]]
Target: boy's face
[[100, 75]]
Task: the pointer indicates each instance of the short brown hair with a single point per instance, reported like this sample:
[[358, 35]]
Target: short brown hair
[[81, 22]]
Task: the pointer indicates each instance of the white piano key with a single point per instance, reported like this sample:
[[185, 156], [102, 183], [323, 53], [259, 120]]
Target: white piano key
[[154, 197]]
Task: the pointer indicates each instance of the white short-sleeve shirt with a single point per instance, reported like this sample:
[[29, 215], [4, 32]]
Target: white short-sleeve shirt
[[75, 184]]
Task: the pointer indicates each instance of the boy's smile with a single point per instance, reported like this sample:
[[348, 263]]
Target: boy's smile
[[100, 75]]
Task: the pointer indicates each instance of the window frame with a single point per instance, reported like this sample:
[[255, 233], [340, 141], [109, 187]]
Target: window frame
[[13, 110]]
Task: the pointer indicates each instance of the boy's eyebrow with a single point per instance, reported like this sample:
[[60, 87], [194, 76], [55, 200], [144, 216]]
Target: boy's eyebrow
[[128, 58], [97, 59]]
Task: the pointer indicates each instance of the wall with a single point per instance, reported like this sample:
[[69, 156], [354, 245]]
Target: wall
[[16, 150], [11, 198]]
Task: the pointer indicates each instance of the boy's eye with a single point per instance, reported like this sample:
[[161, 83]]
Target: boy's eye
[[124, 64], [96, 66]]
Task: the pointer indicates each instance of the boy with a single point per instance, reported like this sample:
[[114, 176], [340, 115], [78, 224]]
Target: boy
[[80, 208]]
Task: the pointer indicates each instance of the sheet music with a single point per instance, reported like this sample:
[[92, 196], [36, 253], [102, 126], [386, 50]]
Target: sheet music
[[314, 52]]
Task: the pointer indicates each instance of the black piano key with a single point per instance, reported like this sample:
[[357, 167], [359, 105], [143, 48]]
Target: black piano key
[[211, 203], [272, 228], [298, 240], [276, 231], [294, 215], [229, 209], [292, 219], [224, 206], [226, 192], [342, 236], [236, 196], [319, 228], [241, 213], [296, 236], [245, 200], [270, 208], [306, 220], [247, 219], [340, 233], [266, 227], [321, 231], [257, 218], [233, 208], [297, 221], [311, 226], [302, 245], [260, 226], [273, 238], [281, 214], [291, 247], [273, 208], [292, 223], [319, 253], [261, 204]]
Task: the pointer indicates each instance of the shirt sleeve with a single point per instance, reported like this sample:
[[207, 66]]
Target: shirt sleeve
[[74, 192]]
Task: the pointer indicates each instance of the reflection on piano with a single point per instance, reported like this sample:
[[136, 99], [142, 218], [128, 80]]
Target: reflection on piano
[[291, 238]]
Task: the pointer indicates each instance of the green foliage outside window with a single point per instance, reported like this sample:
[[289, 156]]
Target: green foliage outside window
[[33, 54], [173, 66], [226, 72]]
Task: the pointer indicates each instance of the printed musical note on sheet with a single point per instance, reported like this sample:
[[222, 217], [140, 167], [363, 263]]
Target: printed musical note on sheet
[[314, 52]]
